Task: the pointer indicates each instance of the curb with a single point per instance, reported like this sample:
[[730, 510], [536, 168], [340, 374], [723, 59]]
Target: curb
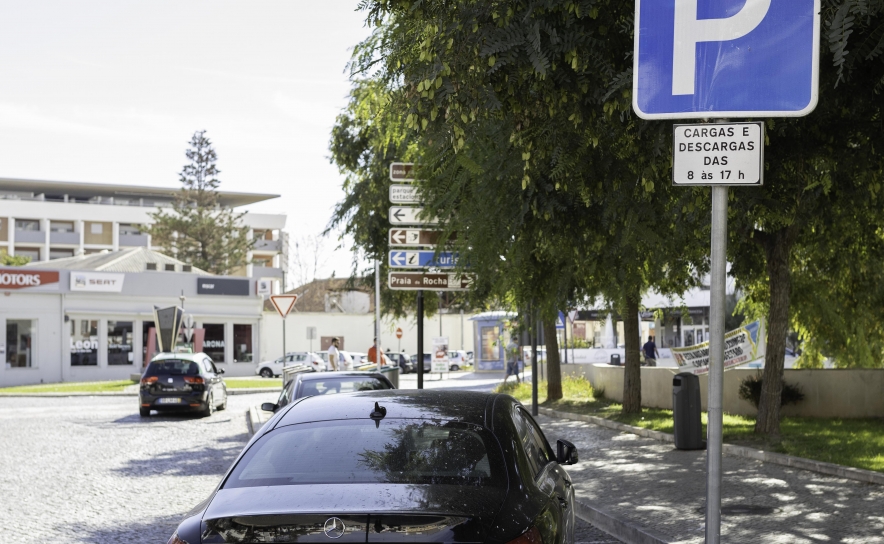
[[254, 421], [617, 527], [240, 391], [830, 469]]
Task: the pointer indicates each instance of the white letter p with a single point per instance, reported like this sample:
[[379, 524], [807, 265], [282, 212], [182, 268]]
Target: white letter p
[[689, 31]]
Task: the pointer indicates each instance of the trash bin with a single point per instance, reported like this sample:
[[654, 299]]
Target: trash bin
[[392, 374], [686, 412], [615, 359]]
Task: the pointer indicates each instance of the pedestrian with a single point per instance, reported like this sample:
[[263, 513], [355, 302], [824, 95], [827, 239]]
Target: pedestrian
[[512, 356], [651, 353], [373, 355], [333, 354]]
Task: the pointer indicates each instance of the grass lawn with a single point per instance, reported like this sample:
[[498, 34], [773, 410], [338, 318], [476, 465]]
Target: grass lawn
[[250, 383], [855, 443], [71, 387]]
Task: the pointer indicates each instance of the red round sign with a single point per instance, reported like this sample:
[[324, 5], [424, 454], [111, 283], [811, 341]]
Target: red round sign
[[399, 333]]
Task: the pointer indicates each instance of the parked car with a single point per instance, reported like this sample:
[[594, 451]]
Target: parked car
[[182, 382], [272, 369], [457, 359], [393, 466], [427, 362], [325, 383], [401, 360]]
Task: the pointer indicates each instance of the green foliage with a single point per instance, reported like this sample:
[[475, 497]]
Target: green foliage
[[10, 260], [199, 230], [750, 390]]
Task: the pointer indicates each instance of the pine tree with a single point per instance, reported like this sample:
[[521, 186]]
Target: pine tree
[[199, 230]]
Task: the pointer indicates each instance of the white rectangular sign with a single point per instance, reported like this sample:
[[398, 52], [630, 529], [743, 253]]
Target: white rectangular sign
[[404, 194], [440, 355], [741, 346], [104, 282], [400, 215], [718, 154]]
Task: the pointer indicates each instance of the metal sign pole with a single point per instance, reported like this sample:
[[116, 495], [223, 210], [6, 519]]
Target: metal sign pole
[[534, 363], [377, 314], [716, 364], [420, 339]]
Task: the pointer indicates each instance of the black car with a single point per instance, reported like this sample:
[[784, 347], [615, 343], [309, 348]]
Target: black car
[[327, 383], [428, 363], [401, 360], [182, 382], [393, 466]]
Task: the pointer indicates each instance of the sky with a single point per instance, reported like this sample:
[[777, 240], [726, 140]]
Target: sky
[[110, 91]]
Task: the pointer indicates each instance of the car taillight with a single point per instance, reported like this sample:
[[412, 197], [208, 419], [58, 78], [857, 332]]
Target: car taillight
[[176, 540], [531, 536], [193, 379], [149, 380]]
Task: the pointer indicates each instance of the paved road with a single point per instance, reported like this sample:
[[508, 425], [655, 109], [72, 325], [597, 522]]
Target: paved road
[[90, 470]]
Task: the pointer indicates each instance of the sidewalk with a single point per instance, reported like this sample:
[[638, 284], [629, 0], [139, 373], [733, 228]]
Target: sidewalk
[[645, 491]]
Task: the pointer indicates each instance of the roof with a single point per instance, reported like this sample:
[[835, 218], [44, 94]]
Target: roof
[[89, 190], [312, 297], [466, 406], [127, 260]]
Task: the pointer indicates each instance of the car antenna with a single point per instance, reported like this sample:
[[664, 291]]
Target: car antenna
[[378, 414]]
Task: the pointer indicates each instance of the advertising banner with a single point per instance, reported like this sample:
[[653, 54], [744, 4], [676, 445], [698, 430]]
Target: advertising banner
[[17, 278], [97, 281], [740, 347], [440, 355]]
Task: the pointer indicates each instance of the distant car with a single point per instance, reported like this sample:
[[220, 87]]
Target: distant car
[[401, 360], [327, 383], [182, 382], [394, 466], [457, 359], [271, 369], [427, 362]]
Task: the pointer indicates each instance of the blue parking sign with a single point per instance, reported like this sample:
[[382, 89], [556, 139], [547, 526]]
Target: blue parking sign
[[726, 58]]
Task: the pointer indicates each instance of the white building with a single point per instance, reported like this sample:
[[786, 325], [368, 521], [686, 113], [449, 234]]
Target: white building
[[47, 220]]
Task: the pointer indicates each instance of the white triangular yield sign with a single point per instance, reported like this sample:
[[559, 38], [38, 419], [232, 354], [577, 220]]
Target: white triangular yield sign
[[283, 303]]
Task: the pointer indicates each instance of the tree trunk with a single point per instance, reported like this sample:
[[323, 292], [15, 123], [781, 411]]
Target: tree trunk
[[777, 247], [632, 380], [553, 367]]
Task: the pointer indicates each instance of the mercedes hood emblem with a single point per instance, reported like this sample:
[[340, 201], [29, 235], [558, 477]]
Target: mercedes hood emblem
[[334, 528]]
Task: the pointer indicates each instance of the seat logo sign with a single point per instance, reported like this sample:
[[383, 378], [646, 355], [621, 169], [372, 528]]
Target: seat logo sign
[[726, 58]]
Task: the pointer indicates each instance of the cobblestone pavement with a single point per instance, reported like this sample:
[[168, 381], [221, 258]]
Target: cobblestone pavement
[[91, 470], [663, 490]]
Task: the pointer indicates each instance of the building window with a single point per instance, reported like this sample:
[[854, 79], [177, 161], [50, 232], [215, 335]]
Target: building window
[[19, 343], [27, 224], [32, 253], [119, 343], [242, 343], [61, 226], [60, 253], [84, 342], [129, 230], [213, 342], [490, 347]]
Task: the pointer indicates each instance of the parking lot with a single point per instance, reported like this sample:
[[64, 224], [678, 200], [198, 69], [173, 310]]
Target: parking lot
[[89, 469]]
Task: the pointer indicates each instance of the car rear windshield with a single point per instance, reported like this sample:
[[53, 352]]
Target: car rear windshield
[[341, 384], [397, 451], [172, 367]]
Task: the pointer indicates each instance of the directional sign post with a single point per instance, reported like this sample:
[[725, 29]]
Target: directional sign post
[[404, 194], [422, 259], [416, 281], [400, 215], [416, 237], [402, 171]]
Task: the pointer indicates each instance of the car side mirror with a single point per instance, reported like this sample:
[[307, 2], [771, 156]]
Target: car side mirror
[[269, 407], [220, 371], [566, 452]]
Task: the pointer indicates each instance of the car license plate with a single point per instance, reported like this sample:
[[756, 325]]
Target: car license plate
[[169, 400]]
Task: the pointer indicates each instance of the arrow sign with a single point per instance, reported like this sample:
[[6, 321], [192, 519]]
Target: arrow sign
[[409, 216], [404, 194], [416, 237], [422, 259], [413, 281], [283, 303]]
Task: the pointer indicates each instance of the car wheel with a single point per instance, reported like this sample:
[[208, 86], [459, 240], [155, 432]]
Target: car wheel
[[455, 368], [266, 373], [144, 412], [210, 406]]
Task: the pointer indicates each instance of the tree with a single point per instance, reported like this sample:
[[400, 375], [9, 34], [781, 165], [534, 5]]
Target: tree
[[9, 260], [200, 230]]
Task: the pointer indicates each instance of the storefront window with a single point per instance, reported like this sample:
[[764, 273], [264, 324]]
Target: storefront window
[[490, 347], [213, 342], [19, 342], [119, 343], [242, 343], [84, 342]]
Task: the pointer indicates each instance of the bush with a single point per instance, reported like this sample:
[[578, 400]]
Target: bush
[[750, 390]]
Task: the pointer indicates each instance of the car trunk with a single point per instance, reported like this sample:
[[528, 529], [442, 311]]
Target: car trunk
[[366, 513]]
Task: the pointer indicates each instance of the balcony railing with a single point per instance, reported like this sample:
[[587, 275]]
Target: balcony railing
[[70, 238], [30, 236], [268, 245], [134, 240]]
